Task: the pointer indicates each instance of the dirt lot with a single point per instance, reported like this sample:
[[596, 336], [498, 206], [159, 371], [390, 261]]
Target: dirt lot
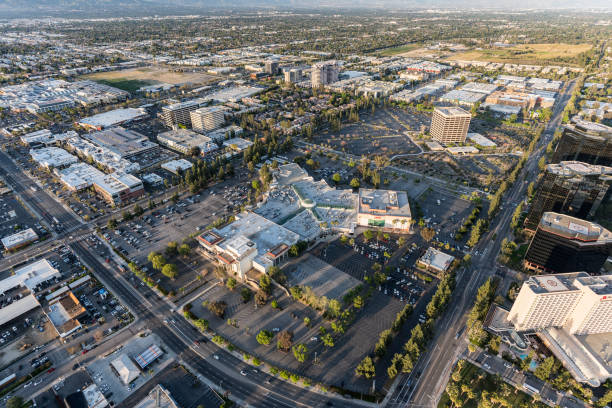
[[152, 75], [524, 53]]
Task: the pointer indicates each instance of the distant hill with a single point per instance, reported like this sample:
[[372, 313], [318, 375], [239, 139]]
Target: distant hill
[[105, 8]]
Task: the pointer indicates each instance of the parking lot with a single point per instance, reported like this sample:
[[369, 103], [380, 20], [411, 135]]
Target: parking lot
[[14, 218], [382, 132]]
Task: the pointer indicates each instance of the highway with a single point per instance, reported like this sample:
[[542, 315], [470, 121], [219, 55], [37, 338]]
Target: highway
[[434, 366]]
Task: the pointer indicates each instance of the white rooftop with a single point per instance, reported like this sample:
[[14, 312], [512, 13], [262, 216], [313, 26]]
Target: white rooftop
[[126, 369], [113, 117], [17, 308], [52, 157], [29, 276], [481, 140], [18, 238], [175, 166]]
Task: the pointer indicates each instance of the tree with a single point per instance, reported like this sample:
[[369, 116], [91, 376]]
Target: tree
[[261, 297], [217, 308], [246, 294], [171, 248], [354, 183], [201, 324], [333, 308], [158, 262], [327, 340], [300, 352], [175, 198], [296, 292], [184, 250], [285, 340], [231, 283], [111, 224], [169, 270], [14, 402], [428, 234], [138, 210], [358, 302], [366, 368], [264, 337], [545, 368], [265, 283], [368, 235], [336, 178]]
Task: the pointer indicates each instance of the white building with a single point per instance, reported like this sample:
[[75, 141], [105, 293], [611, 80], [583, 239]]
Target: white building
[[19, 239], [177, 166], [52, 157], [324, 73], [208, 118], [384, 208]]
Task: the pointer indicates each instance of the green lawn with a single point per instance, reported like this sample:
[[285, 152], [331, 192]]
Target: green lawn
[[388, 52], [129, 85]]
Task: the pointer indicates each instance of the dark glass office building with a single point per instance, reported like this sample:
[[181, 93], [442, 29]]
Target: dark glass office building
[[587, 142], [565, 244], [571, 188]]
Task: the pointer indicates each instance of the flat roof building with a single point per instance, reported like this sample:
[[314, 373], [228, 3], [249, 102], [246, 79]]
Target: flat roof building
[[19, 239], [480, 140], [179, 113], [450, 125], [207, 119], [384, 208], [158, 397], [435, 260], [30, 276], [177, 166], [64, 313], [184, 140], [115, 188], [123, 143], [52, 157], [564, 244], [112, 118], [584, 141], [572, 188], [125, 368], [465, 98]]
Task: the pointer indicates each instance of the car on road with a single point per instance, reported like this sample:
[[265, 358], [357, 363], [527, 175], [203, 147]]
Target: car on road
[[216, 357], [242, 372]]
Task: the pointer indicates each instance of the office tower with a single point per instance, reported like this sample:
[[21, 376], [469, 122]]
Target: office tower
[[271, 67], [564, 244], [584, 141], [450, 125], [324, 73], [207, 119], [579, 302], [179, 113], [293, 75], [571, 188]]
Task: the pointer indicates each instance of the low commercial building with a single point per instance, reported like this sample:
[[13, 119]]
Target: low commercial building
[[123, 143], [250, 242], [112, 118], [207, 119], [501, 110], [565, 244], [460, 150], [52, 157], [19, 239], [464, 98], [480, 140], [177, 166], [185, 140], [522, 100], [44, 138], [125, 369], [480, 87], [115, 188], [435, 260], [158, 397], [384, 208], [64, 312]]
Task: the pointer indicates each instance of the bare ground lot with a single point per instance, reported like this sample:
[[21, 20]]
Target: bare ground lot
[[381, 132], [525, 53], [150, 76]]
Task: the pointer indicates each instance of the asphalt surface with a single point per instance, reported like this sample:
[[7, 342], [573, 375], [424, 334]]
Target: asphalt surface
[[435, 365]]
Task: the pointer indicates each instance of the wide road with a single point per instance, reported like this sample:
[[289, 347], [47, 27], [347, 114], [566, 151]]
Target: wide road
[[38, 199], [252, 389], [433, 369]]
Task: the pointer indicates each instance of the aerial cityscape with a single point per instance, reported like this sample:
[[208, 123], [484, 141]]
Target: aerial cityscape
[[305, 204]]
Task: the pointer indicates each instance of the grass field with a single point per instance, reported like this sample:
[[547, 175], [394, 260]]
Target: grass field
[[525, 53], [132, 79], [398, 50]]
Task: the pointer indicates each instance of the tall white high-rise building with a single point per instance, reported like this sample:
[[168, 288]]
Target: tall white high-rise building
[[577, 301], [208, 118]]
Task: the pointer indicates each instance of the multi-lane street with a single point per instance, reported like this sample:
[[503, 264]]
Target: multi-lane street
[[424, 386]]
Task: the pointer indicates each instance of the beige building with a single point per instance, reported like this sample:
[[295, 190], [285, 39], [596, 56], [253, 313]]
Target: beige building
[[179, 113], [385, 209], [208, 118], [324, 73], [579, 302], [450, 125]]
